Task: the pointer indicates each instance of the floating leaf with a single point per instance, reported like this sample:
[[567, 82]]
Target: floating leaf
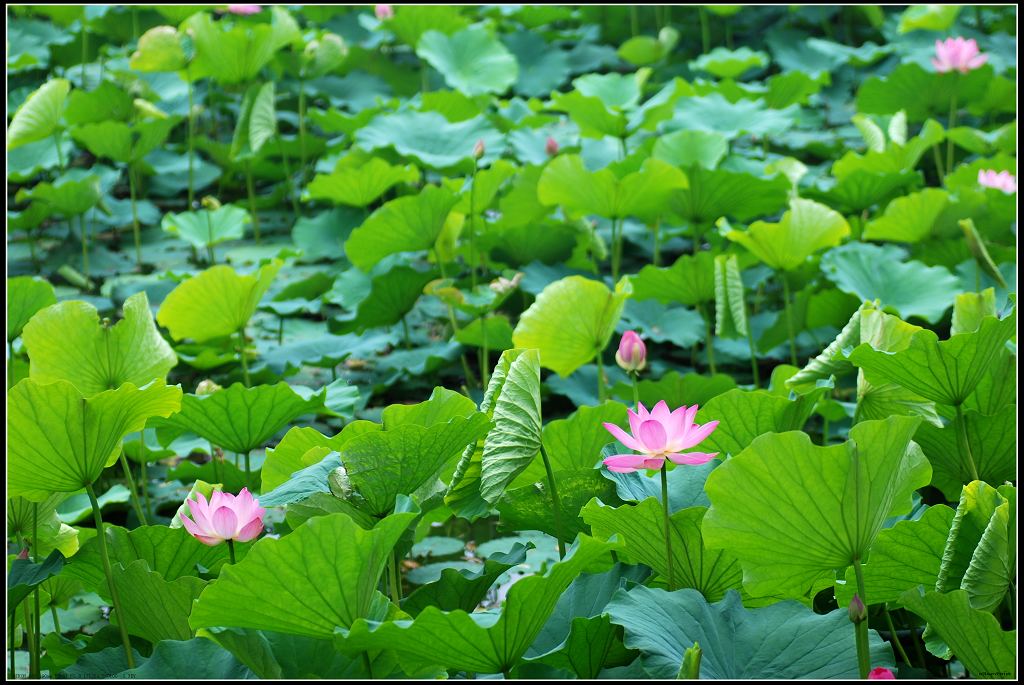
[[358, 186], [729, 64], [205, 228], [472, 61], [806, 228], [908, 219]]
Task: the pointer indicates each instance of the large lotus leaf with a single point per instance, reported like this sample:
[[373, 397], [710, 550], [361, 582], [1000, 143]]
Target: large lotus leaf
[[944, 371], [590, 114], [920, 93], [830, 362], [159, 49], [123, 142], [106, 102], [571, 321], [861, 189], [230, 53], [714, 112], [26, 295], [431, 139], [442, 406], [902, 557], [543, 67], [61, 441], [68, 342], [199, 657], [471, 61], [575, 442], [881, 272], [715, 193], [241, 419], [730, 64], [204, 228], [406, 224], [974, 636], [460, 588], [928, 17], [837, 499], [481, 642], [392, 295], [993, 445], [216, 303], [785, 640], [908, 219], [803, 230], [333, 586], [690, 148], [23, 576], [531, 507], [39, 116], [730, 309], [685, 485], [74, 193], [743, 415], [690, 281], [642, 527], [171, 552], [153, 608], [411, 22], [360, 185], [384, 464]]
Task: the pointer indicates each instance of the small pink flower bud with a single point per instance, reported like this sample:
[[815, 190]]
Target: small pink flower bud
[[857, 611], [383, 12], [881, 673], [478, 149], [244, 9], [551, 147], [1000, 180], [23, 554], [632, 353]]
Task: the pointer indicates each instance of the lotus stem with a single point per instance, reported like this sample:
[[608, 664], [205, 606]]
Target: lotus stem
[[601, 394], [302, 128], [395, 578], [136, 503], [231, 551], [616, 254], [634, 20], [965, 445], [405, 332], [472, 229], [861, 627], [13, 621], [241, 357], [288, 178], [636, 390], [556, 508], [952, 123], [895, 639], [105, 556], [753, 358], [248, 468], [34, 670], [940, 170], [705, 30], [485, 362], [709, 339], [789, 318], [191, 151], [60, 153], [56, 619], [30, 635], [657, 242], [668, 527], [85, 244], [251, 192], [135, 216], [211, 255]]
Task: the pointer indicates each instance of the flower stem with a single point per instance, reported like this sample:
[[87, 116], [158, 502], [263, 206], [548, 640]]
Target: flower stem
[[132, 489], [105, 556], [13, 621], [705, 30], [709, 342], [241, 356], [668, 527], [248, 470], [636, 390], [965, 446], [861, 627], [485, 361], [656, 260], [395, 578], [191, 145], [556, 509], [251, 192], [952, 123], [231, 551], [789, 318], [600, 379], [37, 627], [895, 639], [472, 229], [135, 216], [56, 619], [85, 245]]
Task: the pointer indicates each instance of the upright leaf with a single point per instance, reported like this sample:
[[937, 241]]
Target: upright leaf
[[39, 116]]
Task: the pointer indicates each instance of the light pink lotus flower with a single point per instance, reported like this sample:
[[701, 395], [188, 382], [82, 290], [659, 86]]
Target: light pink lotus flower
[[658, 435], [479, 149], [245, 9], [383, 12], [1000, 180], [632, 353], [551, 147], [957, 54], [226, 517], [881, 673]]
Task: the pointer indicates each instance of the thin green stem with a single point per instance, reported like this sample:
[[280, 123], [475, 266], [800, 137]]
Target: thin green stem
[[895, 639], [634, 20], [288, 179], [280, 329], [216, 463], [636, 390], [242, 358], [705, 30], [472, 230], [30, 635], [302, 128], [135, 216], [248, 468], [709, 338], [395, 578], [789, 318], [754, 369], [556, 508], [405, 332], [144, 481], [60, 153], [952, 123], [861, 627], [191, 144], [668, 527], [940, 170], [601, 391], [85, 245], [657, 242], [485, 361], [56, 619], [965, 445], [616, 248], [132, 489], [13, 623], [37, 652], [251, 192], [209, 238], [105, 556], [231, 551]]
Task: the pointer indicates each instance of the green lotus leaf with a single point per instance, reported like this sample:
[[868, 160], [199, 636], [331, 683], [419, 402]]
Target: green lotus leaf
[[744, 415], [121, 142], [429, 138], [472, 61], [571, 321], [230, 53], [919, 92], [61, 441], [411, 22], [358, 186], [69, 342], [730, 64], [205, 228], [153, 608], [713, 194], [334, 586], [617, 91], [590, 114], [392, 295], [200, 657], [838, 497], [908, 219], [542, 67], [159, 49], [106, 102], [531, 507], [785, 640], [714, 112], [39, 116], [689, 281], [806, 228], [463, 588], [689, 148], [24, 576], [928, 18], [71, 194], [26, 295], [216, 303], [730, 310]]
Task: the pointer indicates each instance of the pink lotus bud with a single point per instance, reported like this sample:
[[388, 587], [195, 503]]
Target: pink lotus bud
[[244, 9], [881, 673], [632, 354], [957, 54], [225, 517], [1000, 180], [857, 611], [383, 12], [478, 149], [551, 147], [23, 554], [658, 435], [207, 387]]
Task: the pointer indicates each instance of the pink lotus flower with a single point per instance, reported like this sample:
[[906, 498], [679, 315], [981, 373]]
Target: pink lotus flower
[[881, 674], [658, 435], [1000, 180], [479, 149], [551, 147], [226, 517], [245, 9], [632, 353], [959, 54], [383, 12]]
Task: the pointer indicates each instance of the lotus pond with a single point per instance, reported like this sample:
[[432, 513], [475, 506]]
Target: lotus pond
[[511, 341]]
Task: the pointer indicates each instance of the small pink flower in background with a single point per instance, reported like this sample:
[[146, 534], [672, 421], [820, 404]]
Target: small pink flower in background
[[225, 517], [23, 554], [551, 147], [632, 353], [1000, 180], [881, 674], [479, 149], [658, 435], [383, 12], [957, 54], [245, 9]]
